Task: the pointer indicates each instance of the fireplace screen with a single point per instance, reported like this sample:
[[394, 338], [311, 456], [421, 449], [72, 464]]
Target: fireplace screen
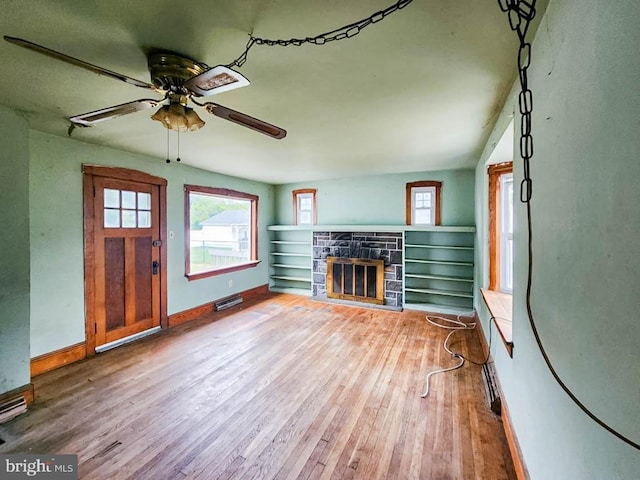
[[355, 279]]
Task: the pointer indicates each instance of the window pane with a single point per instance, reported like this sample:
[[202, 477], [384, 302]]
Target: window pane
[[128, 199], [305, 203], [128, 218], [111, 218], [144, 201], [506, 227], [220, 231], [111, 198], [422, 205], [423, 216], [304, 218], [144, 219]]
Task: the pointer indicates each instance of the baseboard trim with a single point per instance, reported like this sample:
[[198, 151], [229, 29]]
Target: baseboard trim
[[25, 391], [512, 440], [58, 358], [73, 353], [514, 446], [195, 312]]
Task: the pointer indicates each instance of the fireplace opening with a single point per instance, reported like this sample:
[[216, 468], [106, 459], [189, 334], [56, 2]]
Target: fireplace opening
[[358, 279]]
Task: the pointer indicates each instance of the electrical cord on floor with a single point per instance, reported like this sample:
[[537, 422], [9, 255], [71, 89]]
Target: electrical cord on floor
[[454, 326]]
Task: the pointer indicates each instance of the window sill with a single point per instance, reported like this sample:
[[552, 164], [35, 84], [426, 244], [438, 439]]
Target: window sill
[[500, 307], [220, 271]]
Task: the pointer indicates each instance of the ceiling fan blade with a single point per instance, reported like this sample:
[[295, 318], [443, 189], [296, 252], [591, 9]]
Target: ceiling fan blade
[[78, 63], [244, 120], [91, 118], [216, 80]]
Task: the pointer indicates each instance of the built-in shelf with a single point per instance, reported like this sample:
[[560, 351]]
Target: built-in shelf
[[293, 279], [284, 265], [440, 277], [441, 247], [285, 242], [290, 255], [440, 262], [448, 293], [438, 269]]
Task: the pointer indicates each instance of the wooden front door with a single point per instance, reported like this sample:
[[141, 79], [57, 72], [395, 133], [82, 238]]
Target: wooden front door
[[124, 253]]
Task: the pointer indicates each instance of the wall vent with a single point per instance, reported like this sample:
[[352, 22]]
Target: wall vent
[[227, 302], [12, 409], [491, 388]]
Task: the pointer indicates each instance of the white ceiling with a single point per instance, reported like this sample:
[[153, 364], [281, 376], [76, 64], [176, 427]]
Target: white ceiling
[[417, 91]]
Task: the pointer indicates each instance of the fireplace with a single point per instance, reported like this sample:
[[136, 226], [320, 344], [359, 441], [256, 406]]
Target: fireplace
[[371, 245], [358, 279]]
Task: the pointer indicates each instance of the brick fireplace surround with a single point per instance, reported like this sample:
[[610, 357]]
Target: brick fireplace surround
[[370, 245]]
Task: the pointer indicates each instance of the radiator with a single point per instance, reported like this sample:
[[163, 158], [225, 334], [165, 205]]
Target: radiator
[[491, 387], [227, 302]]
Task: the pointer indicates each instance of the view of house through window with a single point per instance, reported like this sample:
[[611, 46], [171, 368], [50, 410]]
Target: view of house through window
[[220, 232]]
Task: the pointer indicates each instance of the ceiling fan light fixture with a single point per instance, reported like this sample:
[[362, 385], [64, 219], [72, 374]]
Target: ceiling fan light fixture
[[178, 117], [216, 80]]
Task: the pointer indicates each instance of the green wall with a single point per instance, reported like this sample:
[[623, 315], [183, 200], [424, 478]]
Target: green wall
[[586, 225], [14, 251], [57, 268], [380, 199]]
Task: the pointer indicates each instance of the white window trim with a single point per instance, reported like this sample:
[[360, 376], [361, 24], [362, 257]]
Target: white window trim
[[299, 197], [506, 237]]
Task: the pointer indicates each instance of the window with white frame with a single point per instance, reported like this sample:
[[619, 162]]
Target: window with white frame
[[506, 232], [423, 203], [501, 227], [304, 206]]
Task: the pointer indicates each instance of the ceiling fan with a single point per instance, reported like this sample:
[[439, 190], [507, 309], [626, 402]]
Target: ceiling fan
[[180, 80]]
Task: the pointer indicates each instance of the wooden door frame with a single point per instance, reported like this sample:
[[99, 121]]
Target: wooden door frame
[[89, 172]]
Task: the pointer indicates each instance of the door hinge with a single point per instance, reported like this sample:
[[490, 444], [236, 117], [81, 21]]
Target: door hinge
[[94, 190], [95, 328]]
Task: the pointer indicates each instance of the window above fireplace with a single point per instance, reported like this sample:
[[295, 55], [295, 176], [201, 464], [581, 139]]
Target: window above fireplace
[[423, 203]]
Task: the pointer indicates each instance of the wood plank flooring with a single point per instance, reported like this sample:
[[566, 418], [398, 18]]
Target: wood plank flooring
[[282, 387]]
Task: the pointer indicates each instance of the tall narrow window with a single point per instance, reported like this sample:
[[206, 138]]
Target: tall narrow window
[[220, 231], [501, 227], [423, 203], [304, 206], [506, 232]]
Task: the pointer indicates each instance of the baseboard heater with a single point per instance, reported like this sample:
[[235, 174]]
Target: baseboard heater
[[12, 409], [491, 387], [227, 302]]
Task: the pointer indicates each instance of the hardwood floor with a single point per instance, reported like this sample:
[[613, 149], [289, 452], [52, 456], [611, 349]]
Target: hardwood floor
[[283, 387]]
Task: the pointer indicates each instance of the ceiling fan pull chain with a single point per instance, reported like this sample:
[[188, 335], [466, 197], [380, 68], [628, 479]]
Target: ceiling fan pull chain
[[178, 156], [347, 31]]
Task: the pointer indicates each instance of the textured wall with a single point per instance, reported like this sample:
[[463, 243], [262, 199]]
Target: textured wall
[[14, 251], [586, 224]]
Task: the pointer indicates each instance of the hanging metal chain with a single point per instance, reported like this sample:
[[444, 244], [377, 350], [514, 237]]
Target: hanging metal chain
[[348, 31], [521, 13]]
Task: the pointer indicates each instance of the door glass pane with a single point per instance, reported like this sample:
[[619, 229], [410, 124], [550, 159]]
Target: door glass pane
[[144, 201], [128, 218], [111, 218], [111, 198], [128, 199], [144, 219]]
